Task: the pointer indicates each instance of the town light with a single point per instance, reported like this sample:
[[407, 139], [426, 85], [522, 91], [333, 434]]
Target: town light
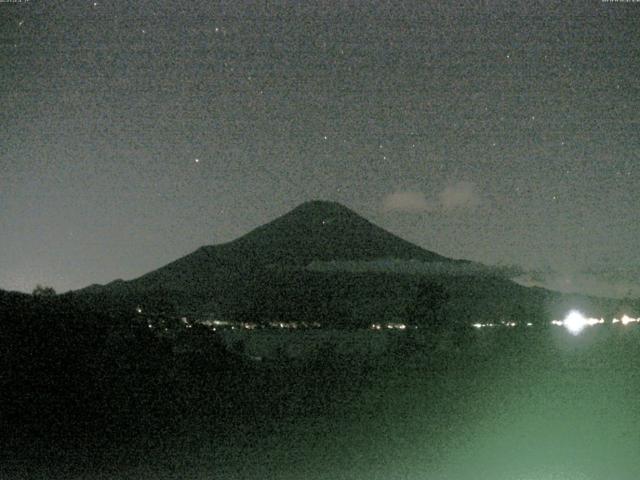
[[575, 322]]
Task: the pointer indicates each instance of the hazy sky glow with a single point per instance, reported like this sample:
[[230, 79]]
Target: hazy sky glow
[[134, 133]]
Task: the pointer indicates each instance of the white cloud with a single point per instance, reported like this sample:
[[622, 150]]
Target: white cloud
[[460, 196], [455, 197], [413, 202]]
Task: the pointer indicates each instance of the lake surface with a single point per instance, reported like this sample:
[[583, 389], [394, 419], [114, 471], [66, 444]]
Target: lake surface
[[498, 405], [508, 406]]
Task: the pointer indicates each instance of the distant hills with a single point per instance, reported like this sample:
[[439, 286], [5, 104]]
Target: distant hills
[[293, 268]]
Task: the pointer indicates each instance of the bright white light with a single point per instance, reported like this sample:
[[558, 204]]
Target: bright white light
[[575, 322], [626, 319]]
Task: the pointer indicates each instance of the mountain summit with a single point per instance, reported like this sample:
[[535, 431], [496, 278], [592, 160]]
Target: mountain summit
[[325, 231], [314, 231]]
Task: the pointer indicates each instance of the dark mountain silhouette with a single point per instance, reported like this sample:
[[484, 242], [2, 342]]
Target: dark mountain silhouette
[[314, 231], [265, 276], [325, 231]]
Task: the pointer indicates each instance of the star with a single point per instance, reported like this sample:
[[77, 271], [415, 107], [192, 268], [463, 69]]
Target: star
[[197, 160]]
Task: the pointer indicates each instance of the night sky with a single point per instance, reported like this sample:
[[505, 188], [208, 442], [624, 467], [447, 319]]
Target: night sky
[[134, 132]]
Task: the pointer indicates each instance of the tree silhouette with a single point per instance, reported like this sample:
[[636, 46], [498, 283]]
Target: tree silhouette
[[429, 306], [41, 291]]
